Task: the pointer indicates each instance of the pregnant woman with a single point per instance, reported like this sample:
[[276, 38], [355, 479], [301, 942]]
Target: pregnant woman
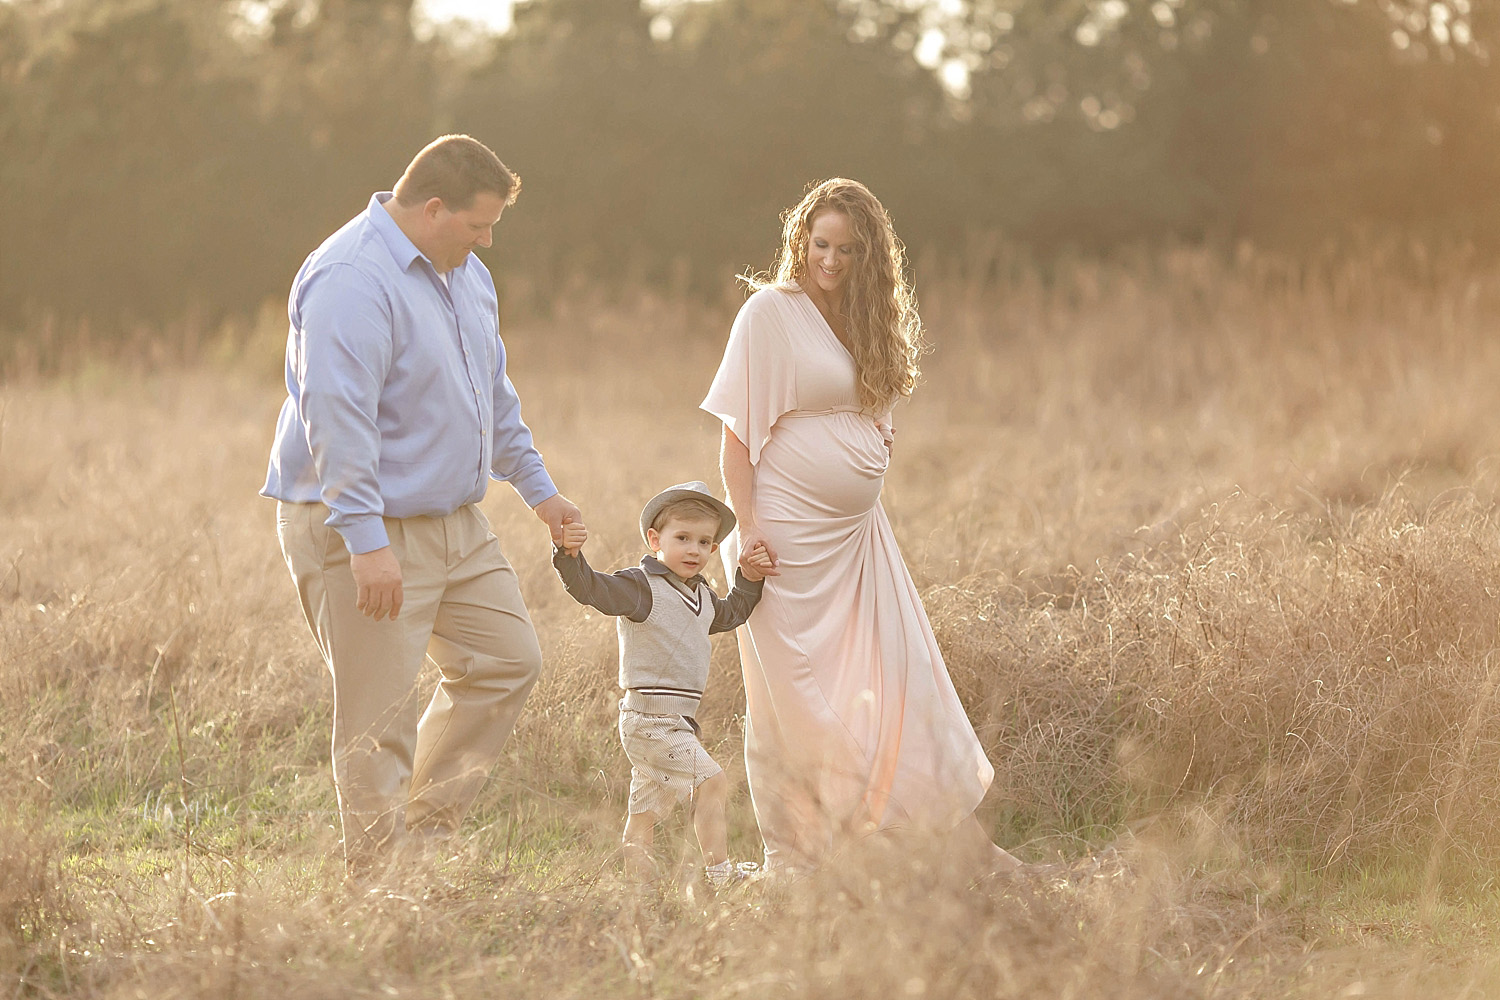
[[852, 722]]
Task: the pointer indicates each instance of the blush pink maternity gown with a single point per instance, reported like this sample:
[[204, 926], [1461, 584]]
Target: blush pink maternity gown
[[852, 722]]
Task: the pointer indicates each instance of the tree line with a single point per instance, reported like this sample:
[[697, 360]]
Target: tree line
[[175, 159]]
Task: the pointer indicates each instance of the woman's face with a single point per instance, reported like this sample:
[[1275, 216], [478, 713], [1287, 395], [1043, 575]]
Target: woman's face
[[830, 251]]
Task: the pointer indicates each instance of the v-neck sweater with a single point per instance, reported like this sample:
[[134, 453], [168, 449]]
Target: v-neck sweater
[[663, 630]]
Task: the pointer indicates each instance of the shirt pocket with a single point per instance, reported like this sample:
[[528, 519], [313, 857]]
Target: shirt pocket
[[489, 334]]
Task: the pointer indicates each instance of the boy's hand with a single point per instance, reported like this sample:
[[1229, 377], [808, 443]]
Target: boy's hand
[[574, 534], [755, 564]]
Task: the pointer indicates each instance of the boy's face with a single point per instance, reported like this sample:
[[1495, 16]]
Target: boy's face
[[684, 544]]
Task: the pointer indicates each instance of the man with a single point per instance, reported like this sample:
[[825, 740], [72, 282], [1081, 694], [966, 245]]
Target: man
[[398, 411]]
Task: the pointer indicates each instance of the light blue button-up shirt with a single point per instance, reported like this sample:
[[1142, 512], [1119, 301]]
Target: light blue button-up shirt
[[398, 404]]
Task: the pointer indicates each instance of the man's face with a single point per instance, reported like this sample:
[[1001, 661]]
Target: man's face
[[452, 235]]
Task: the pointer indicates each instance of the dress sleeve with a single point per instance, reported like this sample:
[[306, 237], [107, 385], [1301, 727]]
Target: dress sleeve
[[755, 383]]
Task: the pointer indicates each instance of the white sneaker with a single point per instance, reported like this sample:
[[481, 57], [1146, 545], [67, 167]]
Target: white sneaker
[[727, 873]]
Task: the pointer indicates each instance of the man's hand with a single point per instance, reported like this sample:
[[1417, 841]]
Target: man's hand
[[756, 564], [574, 534], [555, 511], [377, 575]]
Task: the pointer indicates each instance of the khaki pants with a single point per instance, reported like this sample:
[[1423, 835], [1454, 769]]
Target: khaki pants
[[462, 608]]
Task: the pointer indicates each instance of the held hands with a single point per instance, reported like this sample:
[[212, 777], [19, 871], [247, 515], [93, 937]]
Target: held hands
[[555, 511], [757, 564], [574, 534], [377, 579], [757, 559]]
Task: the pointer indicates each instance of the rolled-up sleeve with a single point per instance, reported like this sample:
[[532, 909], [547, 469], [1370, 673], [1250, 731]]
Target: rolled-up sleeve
[[516, 460], [343, 357]]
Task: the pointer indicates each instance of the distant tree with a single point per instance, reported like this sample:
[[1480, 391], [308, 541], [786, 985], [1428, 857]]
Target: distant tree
[[163, 160], [166, 158], [1283, 119], [127, 156], [644, 153]]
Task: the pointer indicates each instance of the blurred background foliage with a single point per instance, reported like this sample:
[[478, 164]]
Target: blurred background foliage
[[171, 161]]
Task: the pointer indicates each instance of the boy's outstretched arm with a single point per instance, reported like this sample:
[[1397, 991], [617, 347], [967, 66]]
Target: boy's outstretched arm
[[624, 593]]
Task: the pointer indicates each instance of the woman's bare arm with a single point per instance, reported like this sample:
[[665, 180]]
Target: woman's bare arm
[[739, 485]]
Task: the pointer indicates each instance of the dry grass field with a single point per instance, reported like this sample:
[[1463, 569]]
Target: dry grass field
[[1212, 549]]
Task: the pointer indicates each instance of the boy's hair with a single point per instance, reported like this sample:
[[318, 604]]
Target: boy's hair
[[687, 509]]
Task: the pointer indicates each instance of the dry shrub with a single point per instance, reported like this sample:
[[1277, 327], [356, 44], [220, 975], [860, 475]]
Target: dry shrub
[[885, 920], [1332, 676], [36, 907], [1322, 684]]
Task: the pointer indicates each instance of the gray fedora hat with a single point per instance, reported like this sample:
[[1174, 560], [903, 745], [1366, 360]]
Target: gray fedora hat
[[695, 490]]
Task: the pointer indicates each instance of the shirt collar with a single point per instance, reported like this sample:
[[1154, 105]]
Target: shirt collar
[[398, 243], [654, 567]]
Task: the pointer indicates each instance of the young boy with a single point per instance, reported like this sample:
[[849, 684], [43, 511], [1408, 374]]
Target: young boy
[[665, 611]]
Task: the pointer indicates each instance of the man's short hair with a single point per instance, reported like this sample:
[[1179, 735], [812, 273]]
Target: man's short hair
[[687, 509], [455, 168]]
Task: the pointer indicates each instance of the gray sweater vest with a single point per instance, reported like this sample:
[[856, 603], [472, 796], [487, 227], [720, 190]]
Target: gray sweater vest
[[664, 659]]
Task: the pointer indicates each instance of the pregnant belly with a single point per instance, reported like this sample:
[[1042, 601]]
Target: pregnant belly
[[827, 465]]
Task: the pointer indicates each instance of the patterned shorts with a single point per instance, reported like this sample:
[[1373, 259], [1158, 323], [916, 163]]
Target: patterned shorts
[[666, 760]]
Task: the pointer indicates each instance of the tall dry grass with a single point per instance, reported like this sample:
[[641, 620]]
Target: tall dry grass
[[1211, 549]]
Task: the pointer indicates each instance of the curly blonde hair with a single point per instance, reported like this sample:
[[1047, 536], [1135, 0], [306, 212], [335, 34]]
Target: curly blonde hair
[[880, 310]]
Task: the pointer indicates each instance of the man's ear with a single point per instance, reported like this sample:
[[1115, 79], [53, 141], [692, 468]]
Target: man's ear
[[653, 539], [431, 207]]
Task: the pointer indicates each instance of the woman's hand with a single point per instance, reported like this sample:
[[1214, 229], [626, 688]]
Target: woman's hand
[[755, 564], [756, 557]]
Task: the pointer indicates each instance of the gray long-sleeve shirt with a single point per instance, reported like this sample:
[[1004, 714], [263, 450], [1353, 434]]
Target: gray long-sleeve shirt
[[663, 630]]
